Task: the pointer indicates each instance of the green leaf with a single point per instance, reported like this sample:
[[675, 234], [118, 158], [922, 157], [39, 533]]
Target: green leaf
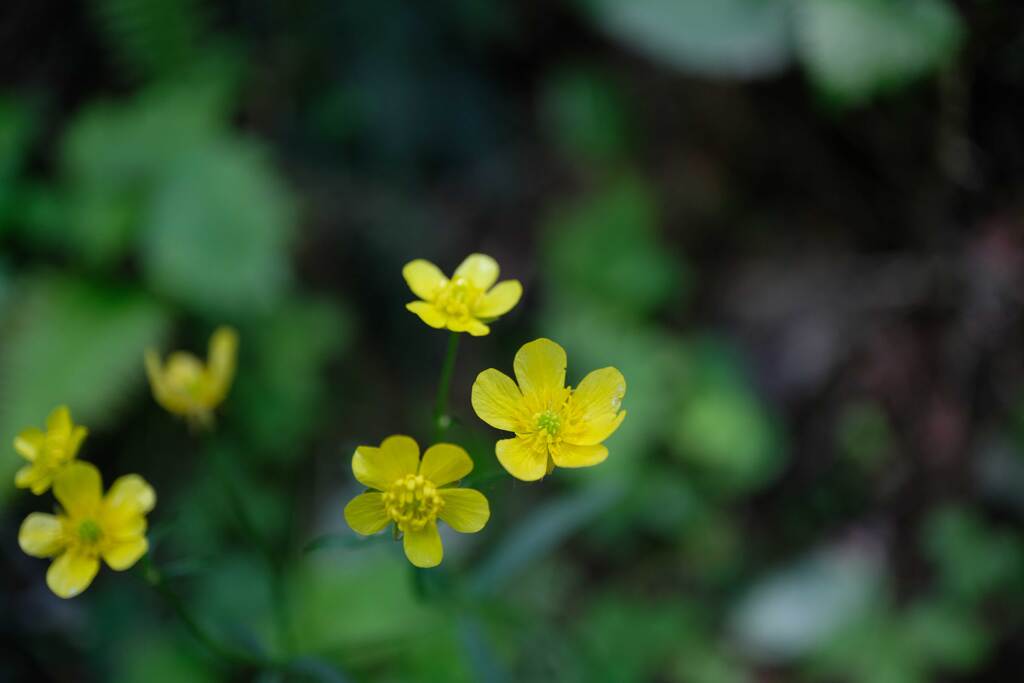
[[723, 38], [108, 185], [70, 341], [343, 541], [284, 390], [151, 38], [606, 248], [856, 49], [587, 115], [538, 534], [217, 235], [795, 610], [722, 426]]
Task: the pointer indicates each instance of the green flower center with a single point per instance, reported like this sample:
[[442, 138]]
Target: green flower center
[[549, 421], [457, 298], [412, 502], [89, 532], [185, 374]]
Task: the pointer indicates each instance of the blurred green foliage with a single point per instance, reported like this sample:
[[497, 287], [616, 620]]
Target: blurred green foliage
[[272, 168]]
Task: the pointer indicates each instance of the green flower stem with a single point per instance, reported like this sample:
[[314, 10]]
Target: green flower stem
[[442, 419], [231, 656], [275, 560]]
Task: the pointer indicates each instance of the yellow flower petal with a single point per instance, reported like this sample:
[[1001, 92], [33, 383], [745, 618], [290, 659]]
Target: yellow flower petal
[[471, 325], [124, 555], [540, 368], [497, 400], [522, 461], [444, 463], [221, 362], [424, 279], [71, 573], [29, 442], [365, 513], [569, 455], [423, 547], [79, 488], [41, 535], [378, 468], [499, 300], [481, 271], [78, 435], [33, 477], [465, 510], [596, 404], [428, 313], [59, 421], [130, 495]]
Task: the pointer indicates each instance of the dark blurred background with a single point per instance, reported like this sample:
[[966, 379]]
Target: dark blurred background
[[794, 225]]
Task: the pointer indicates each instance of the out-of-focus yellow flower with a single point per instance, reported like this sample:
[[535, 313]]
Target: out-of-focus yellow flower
[[553, 424], [464, 303], [413, 494], [184, 385], [47, 452], [89, 526]]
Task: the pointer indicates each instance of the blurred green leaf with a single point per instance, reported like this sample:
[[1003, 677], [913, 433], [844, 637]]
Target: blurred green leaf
[[283, 391], [724, 38], [345, 541], [586, 114], [605, 248], [855, 49], [538, 534], [151, 38], [107, 186], [74, 342], [157, 658], [864, 433], [973, 560], [950, 637], [795, 610], [217, 236], [646, 635], [722, 426]]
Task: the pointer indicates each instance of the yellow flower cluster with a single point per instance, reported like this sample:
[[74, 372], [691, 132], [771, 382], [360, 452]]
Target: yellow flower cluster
[[554, 424], [88, 526]]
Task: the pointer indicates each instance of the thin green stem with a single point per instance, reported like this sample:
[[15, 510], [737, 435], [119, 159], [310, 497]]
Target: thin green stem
[[442, 419], [231, 656]]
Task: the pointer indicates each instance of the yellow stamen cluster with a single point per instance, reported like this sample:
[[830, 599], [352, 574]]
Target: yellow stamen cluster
[[412, 502], [457, 298]]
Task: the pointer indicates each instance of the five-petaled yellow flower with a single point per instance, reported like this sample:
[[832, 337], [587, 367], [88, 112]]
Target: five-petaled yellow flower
[[413, 494], [464, 303], [554, 424], [89, 526], [47, 452], [186, 386]]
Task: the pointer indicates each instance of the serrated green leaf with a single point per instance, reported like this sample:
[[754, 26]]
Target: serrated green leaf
[[74, 342]]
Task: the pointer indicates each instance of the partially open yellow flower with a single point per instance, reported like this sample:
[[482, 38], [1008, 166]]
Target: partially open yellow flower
[[554, 424], [413, 494], [89, 526], [464, 303], [47, 452], [185, 386]]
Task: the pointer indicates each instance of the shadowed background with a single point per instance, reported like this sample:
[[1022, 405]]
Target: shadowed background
[[794, 225]]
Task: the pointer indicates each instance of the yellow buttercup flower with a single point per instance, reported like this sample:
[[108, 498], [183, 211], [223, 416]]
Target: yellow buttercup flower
[[89, 526], [47, 452], [554, 424], [464, 303], [184, 385], [413, 494]]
